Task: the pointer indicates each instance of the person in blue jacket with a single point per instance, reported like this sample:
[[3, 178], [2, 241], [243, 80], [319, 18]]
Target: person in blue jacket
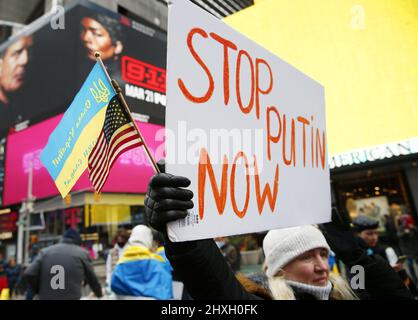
[[140, 272]]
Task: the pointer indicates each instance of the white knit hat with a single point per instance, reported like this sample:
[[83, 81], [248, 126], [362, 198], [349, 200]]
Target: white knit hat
[[283, 245], [141, 235]]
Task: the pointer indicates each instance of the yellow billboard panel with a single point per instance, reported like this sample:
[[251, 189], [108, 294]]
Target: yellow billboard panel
[[364, 52]]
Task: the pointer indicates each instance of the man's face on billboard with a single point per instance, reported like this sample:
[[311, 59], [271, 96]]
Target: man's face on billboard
[[95, 37], [13, 65]]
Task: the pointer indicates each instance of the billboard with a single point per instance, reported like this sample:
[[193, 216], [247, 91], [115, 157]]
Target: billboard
[[130, 173], [367, 62], [42, 70]]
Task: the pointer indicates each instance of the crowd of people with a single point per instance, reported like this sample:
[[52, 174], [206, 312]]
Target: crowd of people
[[143, 264], [136, 268], [299, 262], [296, 259]]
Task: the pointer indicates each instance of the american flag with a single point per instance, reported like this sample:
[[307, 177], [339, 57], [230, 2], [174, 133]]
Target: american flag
[[117, 136]]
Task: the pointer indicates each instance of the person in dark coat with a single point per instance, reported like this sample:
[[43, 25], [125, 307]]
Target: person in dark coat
[[392, 234], [14, 272], [408, 234], [58, 272], [3, 274], [207, 275], [34, 252], [366, 229]]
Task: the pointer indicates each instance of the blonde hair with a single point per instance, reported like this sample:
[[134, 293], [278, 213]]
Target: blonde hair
[[280, 290]]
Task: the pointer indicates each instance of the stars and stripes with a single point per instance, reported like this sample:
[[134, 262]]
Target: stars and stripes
[[117, 136]]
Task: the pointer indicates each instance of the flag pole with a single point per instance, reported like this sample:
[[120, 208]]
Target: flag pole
[[99, 60], [125, 105]]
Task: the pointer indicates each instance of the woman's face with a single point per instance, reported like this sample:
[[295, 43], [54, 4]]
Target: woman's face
[[96, 38], [309, 268]]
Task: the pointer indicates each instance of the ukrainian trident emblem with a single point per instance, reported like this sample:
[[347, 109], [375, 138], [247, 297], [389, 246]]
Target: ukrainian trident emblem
[[100, 92]]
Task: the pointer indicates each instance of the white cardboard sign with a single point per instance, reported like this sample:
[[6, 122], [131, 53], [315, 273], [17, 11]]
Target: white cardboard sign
[[245, 127]]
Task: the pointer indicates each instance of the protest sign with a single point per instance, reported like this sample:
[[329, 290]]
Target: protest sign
[[245, 127]]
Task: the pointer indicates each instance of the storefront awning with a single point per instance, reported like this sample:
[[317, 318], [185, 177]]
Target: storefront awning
[[376, 153], [87, 198]]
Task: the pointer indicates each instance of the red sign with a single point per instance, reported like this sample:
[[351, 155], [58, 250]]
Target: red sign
[[8, 222], [73, 217], [130, 173], [143, 74]]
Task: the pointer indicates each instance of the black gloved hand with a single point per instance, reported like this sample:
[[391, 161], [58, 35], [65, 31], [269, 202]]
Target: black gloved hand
[[341, 238], [165, 200]]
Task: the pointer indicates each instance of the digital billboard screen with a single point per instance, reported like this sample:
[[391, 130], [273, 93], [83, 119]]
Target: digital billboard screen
[[42, 70], [130, 173]]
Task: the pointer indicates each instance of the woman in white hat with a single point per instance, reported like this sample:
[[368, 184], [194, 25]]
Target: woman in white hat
[[297, 266]]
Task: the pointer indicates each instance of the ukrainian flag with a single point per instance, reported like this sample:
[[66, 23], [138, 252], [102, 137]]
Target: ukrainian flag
[[66, 153], [142, 273]]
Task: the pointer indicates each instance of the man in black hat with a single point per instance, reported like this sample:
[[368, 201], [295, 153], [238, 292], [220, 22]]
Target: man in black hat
[[367, 230], [59, 271]]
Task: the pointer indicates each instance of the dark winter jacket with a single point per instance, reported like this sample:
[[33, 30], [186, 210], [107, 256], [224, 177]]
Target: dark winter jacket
[[74, 261], [232, 256], [206, 275], [13, 275]]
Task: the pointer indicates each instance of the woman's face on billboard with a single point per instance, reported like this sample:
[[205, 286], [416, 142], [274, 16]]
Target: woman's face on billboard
[[95, 37]]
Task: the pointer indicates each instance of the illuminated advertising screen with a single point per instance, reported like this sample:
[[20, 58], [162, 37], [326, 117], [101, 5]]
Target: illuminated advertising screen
[[130, 173], [42, 70]]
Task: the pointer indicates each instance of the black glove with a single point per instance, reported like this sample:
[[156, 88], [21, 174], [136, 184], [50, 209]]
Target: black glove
[[165, 200], [341, 238]]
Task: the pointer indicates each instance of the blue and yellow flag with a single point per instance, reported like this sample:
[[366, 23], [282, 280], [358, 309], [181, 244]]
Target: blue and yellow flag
[[142, 273], [66, 153]]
